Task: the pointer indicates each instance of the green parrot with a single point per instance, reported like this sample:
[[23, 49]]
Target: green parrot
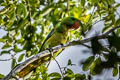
[[57, 36]]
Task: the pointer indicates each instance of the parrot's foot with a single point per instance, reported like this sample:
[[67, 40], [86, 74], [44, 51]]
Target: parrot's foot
[[61, 44], [50, 50]]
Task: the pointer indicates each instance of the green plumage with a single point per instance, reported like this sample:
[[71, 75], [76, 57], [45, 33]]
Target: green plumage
[[55, 37], [59, 35]]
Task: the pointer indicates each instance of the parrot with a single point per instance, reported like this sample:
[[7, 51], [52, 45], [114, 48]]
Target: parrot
[[57, 36]]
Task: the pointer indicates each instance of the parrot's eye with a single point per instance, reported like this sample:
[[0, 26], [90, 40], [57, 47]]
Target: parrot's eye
[[73, 18]]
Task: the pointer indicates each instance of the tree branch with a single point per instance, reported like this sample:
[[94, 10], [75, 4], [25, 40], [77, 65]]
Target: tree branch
[[47, 53], [12, 56], [5, 59]]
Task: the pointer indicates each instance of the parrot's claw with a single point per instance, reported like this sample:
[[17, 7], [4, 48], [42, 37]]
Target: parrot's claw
[[50, 50], [61, 44]]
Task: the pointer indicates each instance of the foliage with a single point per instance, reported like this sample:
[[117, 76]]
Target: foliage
[[27, 22]]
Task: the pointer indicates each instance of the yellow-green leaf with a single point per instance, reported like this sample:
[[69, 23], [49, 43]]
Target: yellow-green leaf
[[87, 63], [1, 75], [7, 45], [13, 63], [2, 40], [93, 1], [21, 57], [86, 18], [22, 9], [115, 71], [55, 75]]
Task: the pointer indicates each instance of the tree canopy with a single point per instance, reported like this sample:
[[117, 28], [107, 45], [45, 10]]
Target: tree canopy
[[27, 23]]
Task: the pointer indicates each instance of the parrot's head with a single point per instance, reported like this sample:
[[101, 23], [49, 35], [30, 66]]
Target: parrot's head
[[71, 22]]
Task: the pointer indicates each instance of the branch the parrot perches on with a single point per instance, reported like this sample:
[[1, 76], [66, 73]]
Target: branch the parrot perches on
[[57, 36]]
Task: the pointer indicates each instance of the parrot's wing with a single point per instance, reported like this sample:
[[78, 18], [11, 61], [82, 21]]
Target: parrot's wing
[[63, 49], [48, 36]]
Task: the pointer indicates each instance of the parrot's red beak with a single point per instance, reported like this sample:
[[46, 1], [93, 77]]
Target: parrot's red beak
[[76, 25]]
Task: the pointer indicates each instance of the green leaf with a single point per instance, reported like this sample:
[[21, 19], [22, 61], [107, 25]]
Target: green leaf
[[114, 41], [5, 52], [55, 79], [5, 37], [69, 62], [93, 1], [80, 77], [35, 3], [1, 1], [1, 75], [96, 46], [13, 63], [69, 73], [111, 1], [118, 32], [9, 39], [87, 63], [20, 40], [87, 18], [12, 19], [46, 10], [17, 34], [118, 22], [45, 76], [21, 9], [21, 57], [106, 28], [115, 71], [22, 23], [16, 49], [7, 45], [67, 78], [55, 75], [117, 5], [2, 40], [43, 69], [28, 54], [4, 10], [82, 2], [96, 67]]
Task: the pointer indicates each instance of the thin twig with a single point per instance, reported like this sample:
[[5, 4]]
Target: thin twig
[[48, 63], [114, 28], [97, 21], [59, 67], [51, 56], [12, 56], [5, 59]]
